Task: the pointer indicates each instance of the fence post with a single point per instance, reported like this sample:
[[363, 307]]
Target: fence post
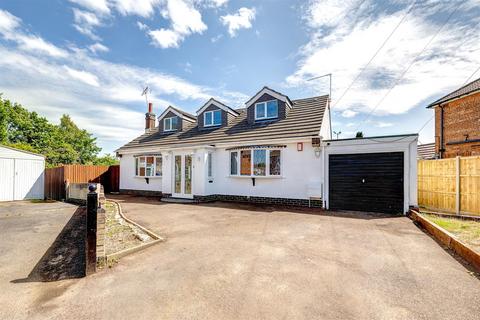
[[91, 241], [457, 185]]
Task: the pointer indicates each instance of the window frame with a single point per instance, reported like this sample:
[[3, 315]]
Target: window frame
[[213, 124], [154, 166], [210, 165], [170, 122], [252, 175], [266, 117]]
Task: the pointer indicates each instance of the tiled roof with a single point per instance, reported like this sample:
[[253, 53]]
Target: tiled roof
[[466, 89], [426, 151], [303, 120]]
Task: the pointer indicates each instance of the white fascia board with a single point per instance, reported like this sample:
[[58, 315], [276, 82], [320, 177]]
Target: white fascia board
[[269, 92], [164, 113], [217, 104], [217, 145]]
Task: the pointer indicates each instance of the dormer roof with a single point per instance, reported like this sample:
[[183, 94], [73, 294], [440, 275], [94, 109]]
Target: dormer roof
[[182, 114], [271, 92], [218, 104]]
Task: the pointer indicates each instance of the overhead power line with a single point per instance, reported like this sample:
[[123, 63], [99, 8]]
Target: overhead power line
[[408, 68], [376, 52]]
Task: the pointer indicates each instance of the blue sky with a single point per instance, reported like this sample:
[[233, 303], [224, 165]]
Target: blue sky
[[91, 58]]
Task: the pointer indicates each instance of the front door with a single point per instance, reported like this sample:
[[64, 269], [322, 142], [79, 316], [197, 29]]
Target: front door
[[182, 175]]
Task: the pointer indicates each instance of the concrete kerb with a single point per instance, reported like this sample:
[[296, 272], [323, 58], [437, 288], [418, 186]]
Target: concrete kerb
[[448, 239], [123, 253]]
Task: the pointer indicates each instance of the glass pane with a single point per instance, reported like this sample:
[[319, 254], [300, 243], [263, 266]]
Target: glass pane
[[272, 109], [260, 109], [275, 162], [208, 118], [234, 163], [259, 162], [174, 123], [167, 124], [149, 170], [142, 161], [178, 174], [217, 117], [188, 174], [246, 162], [142, 172], [158, 166], [209, 165]]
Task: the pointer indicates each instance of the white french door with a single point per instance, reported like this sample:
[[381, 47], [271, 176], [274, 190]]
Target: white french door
[[182, 175]]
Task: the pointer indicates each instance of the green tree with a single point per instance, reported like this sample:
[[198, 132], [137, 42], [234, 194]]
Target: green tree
[[359, 134], [106, 160], [79, 139], [60, 144]]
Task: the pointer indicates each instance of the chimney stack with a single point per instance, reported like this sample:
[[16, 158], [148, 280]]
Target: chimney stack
[[149, 118]]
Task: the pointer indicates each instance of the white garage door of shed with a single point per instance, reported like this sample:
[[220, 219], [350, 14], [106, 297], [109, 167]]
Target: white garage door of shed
[[7, 167], [21, 179]]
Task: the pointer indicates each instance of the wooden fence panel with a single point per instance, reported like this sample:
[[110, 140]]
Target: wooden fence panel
[[470, 185], [451, 185], [55, 178]]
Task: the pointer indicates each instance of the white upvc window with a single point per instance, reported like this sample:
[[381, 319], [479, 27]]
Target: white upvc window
[[170, 124], [266, 110], [255, 163], [210, 165], [212, 118], [148, 166]]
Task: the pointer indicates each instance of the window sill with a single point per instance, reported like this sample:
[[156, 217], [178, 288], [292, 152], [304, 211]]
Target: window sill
[[152, 177], [211, 125], [257, 177]]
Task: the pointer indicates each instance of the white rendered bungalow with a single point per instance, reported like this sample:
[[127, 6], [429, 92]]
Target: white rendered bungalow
[[271, 151]]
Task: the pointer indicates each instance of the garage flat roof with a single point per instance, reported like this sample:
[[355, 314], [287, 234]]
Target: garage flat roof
[[376, 137]]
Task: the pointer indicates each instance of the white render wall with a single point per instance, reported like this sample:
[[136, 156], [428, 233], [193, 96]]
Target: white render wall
[[128, 180], [300, 170]]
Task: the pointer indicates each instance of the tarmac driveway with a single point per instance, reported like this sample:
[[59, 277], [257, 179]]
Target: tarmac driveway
[[230, 261]]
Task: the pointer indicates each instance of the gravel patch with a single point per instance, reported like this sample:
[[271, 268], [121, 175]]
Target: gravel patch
[[119, 234]]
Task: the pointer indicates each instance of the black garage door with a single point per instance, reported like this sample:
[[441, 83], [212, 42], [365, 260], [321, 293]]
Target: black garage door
[[366, 182]]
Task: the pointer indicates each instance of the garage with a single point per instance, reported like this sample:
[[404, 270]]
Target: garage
[[21, 175], [375, 174]]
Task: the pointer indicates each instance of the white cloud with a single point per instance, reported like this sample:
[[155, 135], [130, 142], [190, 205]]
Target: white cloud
[[143, 8], [98, 6], [349, 113], [85, 77], [85, 22], [216, 38], [165, 38], [185, 20], [239, 20], [98, 47], [345, 46], [216, 3], [8, 22], [142, 26], [329, 12]]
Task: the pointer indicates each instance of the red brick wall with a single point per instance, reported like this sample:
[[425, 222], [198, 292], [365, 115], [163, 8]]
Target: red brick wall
[[460, 117]]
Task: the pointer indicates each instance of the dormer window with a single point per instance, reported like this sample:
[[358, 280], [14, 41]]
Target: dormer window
[[170, 124], [266, 110], [212, 118]]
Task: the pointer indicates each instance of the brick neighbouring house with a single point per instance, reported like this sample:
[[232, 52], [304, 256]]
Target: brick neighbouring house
[[457, 122]]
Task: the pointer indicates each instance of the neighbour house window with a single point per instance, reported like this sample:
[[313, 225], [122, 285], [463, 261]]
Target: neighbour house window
[[170, 124], [148, 166], [209, 165], [212, 118], [266, 110], [265, 162]]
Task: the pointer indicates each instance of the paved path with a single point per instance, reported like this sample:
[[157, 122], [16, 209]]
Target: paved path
[[229, 261]]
